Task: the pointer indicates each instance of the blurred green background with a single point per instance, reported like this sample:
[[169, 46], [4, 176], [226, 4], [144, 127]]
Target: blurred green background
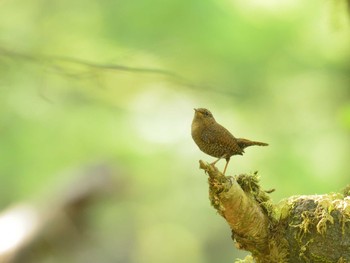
[[274, 71]]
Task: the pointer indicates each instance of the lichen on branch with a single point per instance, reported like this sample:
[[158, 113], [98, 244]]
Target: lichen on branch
[[243, 207], [314, 228], [317, 227]]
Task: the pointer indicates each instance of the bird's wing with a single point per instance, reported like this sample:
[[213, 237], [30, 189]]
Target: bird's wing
[[216, 133], [220, 136]]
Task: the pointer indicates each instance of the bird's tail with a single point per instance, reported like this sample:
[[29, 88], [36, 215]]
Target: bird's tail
[[243, 143]]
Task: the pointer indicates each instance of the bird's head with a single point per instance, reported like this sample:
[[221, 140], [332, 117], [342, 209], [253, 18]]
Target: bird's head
[[203, 114]]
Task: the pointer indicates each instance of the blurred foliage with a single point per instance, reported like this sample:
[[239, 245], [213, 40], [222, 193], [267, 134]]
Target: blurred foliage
[[275, 71]]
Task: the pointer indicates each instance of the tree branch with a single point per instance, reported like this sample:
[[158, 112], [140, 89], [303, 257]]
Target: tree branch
[[299, 229], [245, 216]]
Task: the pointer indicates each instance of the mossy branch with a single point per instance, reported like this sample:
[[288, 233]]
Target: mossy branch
[[313, 228], [247, 219]]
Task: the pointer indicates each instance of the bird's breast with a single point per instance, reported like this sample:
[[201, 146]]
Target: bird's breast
[[196, 131]]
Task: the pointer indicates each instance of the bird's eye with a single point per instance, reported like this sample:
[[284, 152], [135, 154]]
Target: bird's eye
[[206, 113]]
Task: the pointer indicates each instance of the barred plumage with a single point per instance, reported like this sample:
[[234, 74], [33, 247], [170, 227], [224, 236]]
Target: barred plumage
[[215, 140]]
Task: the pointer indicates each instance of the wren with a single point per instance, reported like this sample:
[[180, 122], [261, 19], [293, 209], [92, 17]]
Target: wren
[[215, 140]]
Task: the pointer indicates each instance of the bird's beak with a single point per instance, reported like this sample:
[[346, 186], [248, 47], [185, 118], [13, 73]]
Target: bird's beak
[[195, 109]]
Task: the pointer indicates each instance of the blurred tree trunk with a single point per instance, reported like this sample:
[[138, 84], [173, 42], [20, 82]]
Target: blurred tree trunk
[[299, 229]]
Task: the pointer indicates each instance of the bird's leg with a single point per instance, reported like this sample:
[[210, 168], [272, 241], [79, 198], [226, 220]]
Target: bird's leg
[[213, 163], [227, 161]]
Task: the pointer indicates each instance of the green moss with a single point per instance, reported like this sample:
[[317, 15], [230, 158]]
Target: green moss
[[250, 185], [346, 191], [316, 227], [247, 259], [218, 183], [278, 246], [302, 229]]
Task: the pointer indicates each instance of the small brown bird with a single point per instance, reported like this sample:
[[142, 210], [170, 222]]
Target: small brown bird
[[215, 140]]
